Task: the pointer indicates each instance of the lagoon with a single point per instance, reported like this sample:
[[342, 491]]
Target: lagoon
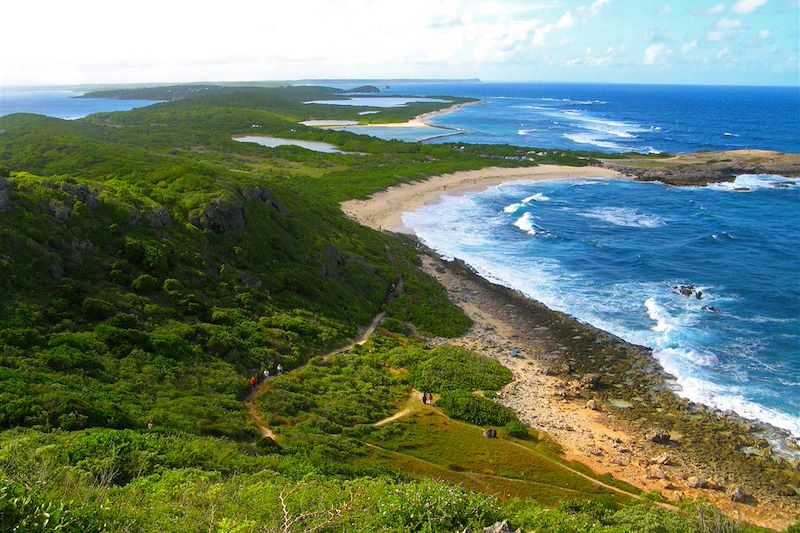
[[274, 142], [378, 101]]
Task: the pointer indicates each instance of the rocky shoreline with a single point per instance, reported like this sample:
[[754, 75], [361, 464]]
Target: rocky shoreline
[[611, 406], [702, 168]]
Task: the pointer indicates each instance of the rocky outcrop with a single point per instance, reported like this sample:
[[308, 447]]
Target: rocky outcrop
[[221, 216], [5, 188], [81, 193], [499, 527], [159, 217], [261, 194], [61, 211]]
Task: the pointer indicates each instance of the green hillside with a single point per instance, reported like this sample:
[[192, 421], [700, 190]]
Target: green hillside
[[150, 265]]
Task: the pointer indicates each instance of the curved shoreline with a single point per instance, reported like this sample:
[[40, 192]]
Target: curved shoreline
[[383, 210], [553, 388]]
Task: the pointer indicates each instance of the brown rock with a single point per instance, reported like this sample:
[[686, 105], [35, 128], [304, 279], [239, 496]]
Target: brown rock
[[659, 436], [737, 494], [592, 404]]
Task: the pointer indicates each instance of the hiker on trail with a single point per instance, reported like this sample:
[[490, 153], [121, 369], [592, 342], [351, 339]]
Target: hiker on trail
[[430, 398], [253, 382], [424, 397], [266, 373], [279, 368]]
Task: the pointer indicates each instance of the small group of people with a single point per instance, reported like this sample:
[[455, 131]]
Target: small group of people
[[427, 398], [266, 374]]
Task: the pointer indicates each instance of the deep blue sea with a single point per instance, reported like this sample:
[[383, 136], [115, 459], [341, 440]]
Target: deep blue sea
[[621, 118], [612, 253], [59, 103]]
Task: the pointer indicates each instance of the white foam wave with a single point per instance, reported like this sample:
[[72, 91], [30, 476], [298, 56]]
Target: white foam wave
[[525, 223], [728, 134], [538, 197], [722, 397], [623, 216], [750, 182], [595, 140], [525, 131], [512, 208]]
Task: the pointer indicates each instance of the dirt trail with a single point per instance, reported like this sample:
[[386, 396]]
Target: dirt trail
[[250, 400], [412, 405]]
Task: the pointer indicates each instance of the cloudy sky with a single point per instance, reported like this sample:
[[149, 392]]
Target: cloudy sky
[[636, 41]]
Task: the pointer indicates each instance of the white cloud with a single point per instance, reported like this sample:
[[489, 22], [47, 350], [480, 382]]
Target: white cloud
[[724, 29], [663, 10], [654, 54], [596, 6], [688, 47], [716, 9], [722, 53], [764, 34], [566, 20], [745, 7]]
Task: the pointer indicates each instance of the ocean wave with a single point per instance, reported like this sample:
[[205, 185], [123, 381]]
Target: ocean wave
[[525, 131], [525, 223], [728, 134], [512, 208], [751, 182], [595, 140], [538, 197], [725, 398], [624, 216]]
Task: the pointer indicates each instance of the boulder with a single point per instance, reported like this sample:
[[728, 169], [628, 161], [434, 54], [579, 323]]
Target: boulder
[[592, 404], [590, 380], [490, 433], [663, 459], [501, 527], [696, 482], [656, 472], [659, 436], [737, 494]]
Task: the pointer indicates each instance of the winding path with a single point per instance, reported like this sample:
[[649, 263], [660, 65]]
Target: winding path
[[250, 401]]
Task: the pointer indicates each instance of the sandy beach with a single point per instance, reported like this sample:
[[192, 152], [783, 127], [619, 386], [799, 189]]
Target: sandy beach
[[599, 397], [384, 209]]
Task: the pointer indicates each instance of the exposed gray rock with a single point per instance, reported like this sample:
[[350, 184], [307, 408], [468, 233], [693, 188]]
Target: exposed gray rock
[[659, 436], [590, 380], [5, 186], [592, 404], [696, 482], [501, 527], [62, 212], [221, 216], [81, 192], [265, 195], [737, 494], [663, 459], [159, 217]]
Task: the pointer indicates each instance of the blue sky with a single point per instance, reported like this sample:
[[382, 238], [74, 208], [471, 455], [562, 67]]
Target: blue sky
[[706, 42]]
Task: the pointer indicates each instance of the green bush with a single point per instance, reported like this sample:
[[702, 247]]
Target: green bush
[[517, 429], [98, 309], [474, 409], [145, 284], [453, 367]]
